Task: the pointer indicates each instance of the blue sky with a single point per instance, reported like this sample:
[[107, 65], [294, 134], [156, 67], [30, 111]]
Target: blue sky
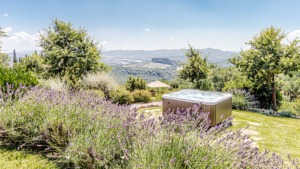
[[151, 25]]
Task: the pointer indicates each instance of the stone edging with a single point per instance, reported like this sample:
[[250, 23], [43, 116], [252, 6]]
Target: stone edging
[[270, 112]]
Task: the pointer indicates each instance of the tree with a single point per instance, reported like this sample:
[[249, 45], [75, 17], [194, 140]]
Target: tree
[[134, 83], [4, 60], [14, 56], [291, 86], [2, 34], [70, 52], [33, 63], [268, 57], [220, 76], [195, 68]]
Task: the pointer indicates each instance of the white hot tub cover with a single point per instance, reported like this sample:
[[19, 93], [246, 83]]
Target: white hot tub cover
[[197, 96]]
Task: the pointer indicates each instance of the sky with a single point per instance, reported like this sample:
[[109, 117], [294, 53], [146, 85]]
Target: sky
[[150, 25]]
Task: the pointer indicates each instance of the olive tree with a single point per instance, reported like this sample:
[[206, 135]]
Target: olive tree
[[267, 57], [196, 68], [70, 52]]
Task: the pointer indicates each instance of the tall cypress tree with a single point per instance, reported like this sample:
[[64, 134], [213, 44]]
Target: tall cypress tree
[[14, 56]]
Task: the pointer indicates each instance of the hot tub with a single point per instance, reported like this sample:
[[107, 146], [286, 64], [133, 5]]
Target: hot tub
[[214, 102]]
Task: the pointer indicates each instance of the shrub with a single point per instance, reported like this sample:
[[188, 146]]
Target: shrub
[[56, 84], [121, 96], [262, 92], [242, 100], [297, 106], [89, 132], [100, 81], [141, 96], [15, 77], [174, 84], [285, 114], [134, 83], [220, 76]]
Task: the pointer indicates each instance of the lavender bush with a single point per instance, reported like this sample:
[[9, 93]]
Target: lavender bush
[[242, 99], [86, 131]]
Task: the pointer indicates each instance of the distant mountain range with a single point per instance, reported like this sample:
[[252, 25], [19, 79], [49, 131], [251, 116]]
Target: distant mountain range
[[123, 57]]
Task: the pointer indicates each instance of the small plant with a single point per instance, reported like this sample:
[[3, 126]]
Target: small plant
[[285, 114], [242, 99], [15, 77], [100, 81], [134, 83], [121, 96], [174, 84], [56, 84], [141, 96]]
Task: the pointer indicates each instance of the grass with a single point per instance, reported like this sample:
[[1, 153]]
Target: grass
[[11, 158], [278, 134], [290, 107]]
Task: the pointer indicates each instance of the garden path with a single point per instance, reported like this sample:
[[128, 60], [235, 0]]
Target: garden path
[[145, 105]]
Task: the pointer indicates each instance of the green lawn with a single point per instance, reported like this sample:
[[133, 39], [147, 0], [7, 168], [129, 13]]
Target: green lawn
[[11, 159], [278, 134]]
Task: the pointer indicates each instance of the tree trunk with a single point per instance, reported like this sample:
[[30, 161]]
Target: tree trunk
[[273, 93]]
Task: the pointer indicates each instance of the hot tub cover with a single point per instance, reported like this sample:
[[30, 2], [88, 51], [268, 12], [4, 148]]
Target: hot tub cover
[[197, 96]]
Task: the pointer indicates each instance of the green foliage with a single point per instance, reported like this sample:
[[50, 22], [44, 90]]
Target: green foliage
[[121, 96], [101, 81], [16, 77], [195, 68], [242, 99], [174, 84], [291, 86], [297, 106], [291, 107], [240, 82], [4, 60], [70, 52], [33, 63], [220, 76], [263, 93], [267, 57], [141, 96], [134, 83]]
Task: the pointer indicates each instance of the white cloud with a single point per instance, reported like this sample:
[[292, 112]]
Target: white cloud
[[104, 42], [147, 29], [5, 14], [21, 41], [171, 37], [7, 30], [293, 35]]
